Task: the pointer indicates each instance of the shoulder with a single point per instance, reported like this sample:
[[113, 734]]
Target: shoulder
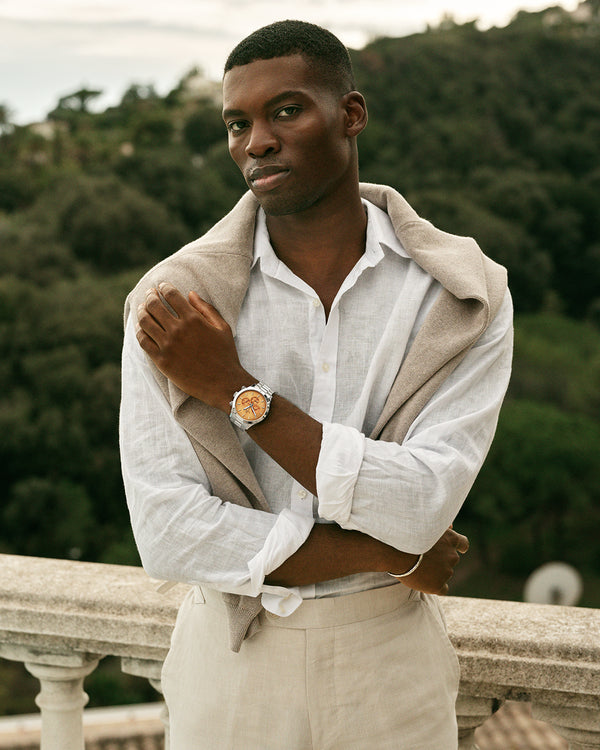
[[457, 262], [214, 265]]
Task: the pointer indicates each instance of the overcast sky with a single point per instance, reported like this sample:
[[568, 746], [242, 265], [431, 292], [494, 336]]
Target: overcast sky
[[49, 48]]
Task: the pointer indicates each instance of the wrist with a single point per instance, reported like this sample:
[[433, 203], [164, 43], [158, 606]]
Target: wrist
[[409, 571], [232, 385]]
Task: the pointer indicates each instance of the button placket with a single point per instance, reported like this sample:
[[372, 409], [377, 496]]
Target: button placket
[[324, 373], [317, 326], [302, 500]]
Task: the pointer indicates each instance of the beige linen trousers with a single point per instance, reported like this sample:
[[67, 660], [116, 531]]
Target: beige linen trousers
[[367, 671]]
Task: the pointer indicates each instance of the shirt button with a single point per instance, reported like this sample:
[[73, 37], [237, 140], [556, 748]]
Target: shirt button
[[302, 493], [325, 367], [317, 303]]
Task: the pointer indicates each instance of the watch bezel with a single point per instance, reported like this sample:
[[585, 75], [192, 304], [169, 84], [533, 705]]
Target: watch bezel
[[237, 419]]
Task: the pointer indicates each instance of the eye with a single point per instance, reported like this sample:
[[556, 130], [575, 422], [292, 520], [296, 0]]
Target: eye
[[236, 126], [289, 111]]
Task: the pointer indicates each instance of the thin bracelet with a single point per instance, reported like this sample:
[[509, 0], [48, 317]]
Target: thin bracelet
[[408, 572]]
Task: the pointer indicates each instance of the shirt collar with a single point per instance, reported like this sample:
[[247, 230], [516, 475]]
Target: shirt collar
[[380, 236]]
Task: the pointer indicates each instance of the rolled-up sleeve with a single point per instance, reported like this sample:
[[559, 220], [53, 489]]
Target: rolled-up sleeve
[[183, 532], [407, 495]]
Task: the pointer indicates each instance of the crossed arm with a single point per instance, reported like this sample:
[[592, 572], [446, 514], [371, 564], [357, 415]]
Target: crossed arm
[[195, 349]]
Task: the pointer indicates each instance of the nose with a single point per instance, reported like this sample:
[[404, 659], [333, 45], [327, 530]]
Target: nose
[[262, 140]]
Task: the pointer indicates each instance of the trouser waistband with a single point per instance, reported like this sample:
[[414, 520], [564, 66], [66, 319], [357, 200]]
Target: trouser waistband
[[334, 610]]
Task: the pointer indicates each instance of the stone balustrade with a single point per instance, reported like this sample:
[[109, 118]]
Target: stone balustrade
[[60, 618]]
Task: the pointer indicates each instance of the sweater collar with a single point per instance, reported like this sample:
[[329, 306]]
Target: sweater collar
[[456, 262]]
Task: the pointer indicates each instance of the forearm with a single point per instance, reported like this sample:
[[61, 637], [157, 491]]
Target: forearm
[[331, 552], [291, 438]]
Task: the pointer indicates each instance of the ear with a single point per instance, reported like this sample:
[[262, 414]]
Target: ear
[[355, 113]]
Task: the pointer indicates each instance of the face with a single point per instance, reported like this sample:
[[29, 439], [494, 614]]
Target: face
[[290, 135]]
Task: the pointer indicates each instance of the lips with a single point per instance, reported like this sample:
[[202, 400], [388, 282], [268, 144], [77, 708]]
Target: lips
[[267, 177]]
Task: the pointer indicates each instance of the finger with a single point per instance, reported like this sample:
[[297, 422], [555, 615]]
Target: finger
[[462, 545], [159, 309], [146, 342], [210, 313], [147, 324], [172, 299], [459, 541]]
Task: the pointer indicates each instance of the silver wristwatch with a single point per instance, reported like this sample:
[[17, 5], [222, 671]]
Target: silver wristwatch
[[251, 405]]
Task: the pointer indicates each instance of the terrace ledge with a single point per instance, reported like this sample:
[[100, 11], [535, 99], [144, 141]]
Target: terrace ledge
[[60, 617]]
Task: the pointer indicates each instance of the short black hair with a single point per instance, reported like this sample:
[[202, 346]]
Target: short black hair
[[319, 47]]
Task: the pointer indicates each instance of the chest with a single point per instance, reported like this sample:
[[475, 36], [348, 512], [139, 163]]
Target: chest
[[337, 367]]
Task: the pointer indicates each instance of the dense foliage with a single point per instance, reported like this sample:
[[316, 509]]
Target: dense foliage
[[494, 134]]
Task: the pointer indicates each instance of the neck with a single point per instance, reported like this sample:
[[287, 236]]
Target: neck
[[321, 245]]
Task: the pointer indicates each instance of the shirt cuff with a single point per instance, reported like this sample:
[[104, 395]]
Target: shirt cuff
[[289, 533], [340, 459]]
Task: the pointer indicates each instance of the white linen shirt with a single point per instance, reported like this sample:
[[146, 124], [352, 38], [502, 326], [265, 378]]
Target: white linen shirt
[[339, 370]]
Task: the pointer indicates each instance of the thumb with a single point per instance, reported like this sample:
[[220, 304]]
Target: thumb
[[208, 312]]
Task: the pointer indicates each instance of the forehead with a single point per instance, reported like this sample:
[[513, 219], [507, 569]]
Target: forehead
[[255, 84]]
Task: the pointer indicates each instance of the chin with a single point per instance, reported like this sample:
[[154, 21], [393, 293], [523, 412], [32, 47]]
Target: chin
[[285, 205]]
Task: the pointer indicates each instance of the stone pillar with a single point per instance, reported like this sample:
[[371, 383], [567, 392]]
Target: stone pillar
[[471, 713], [579, 726], [61, 701], [164, 713], [151, 670]]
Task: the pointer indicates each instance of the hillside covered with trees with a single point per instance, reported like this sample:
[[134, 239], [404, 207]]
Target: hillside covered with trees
[[494, 134]]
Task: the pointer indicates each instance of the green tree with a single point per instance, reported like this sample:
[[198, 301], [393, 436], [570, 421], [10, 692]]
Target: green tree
[[6, 125], [111, 226], [79, 100], [203, 128], [197, 194], [535, 499], [557, 361], [17, 188], [35, 505], [155, 129]]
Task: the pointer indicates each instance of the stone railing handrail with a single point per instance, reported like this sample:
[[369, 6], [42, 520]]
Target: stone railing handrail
[[59, 617]]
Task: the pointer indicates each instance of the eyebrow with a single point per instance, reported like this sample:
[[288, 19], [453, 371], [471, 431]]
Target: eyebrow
[[270, 103]]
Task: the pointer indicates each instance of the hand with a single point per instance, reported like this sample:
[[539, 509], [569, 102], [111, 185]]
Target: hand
[[191, 344], [437, 566]]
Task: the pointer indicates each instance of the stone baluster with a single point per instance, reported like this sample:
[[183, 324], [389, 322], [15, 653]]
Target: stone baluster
[[62, 698], [471, 713], [151, 670], [579, 726], [164, 713]]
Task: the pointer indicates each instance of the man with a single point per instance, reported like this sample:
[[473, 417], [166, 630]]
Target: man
[[314, 386]]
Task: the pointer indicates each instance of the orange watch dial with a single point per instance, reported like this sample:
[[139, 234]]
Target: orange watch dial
[[250, 405]]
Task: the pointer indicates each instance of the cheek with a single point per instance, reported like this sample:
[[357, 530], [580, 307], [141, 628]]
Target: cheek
[[237, 153], [329, 155]]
